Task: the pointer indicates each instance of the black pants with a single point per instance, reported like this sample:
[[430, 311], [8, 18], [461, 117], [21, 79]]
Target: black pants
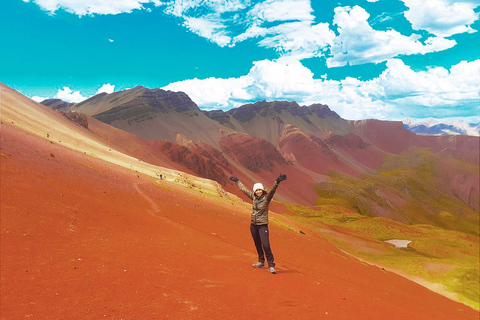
[[262, 243]]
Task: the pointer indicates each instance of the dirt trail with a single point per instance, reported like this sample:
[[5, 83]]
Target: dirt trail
[[154, 207]]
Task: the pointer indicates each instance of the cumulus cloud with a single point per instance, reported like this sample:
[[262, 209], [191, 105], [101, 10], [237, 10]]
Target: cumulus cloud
[[38, 98], [215, 93], [106, 88], [442, 17], [454, 92], [398, 92], [359, 43], [87, 7], [68, 95], [266, 80]]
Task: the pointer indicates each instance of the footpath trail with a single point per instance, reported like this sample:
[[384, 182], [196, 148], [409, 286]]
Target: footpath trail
[[84, 239]]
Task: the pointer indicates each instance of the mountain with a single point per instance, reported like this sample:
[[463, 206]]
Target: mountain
[[435, 127], [258, 141], [89, 229], [57, 104]]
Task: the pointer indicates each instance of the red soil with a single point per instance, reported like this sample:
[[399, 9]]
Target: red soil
[[82, 238]]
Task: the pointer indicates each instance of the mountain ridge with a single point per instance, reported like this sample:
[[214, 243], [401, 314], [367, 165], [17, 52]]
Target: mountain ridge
[[432, 126], [257, 141]]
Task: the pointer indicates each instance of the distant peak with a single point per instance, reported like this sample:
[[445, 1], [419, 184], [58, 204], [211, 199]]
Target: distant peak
[[56, 103], [263, 109], [273, 108], [178, 101], [323, 111]]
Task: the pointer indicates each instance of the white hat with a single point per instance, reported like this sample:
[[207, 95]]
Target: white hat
[[257, 186]]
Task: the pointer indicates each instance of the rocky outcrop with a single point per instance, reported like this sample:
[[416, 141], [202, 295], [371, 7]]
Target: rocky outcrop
[[76, 117], [220, 116]]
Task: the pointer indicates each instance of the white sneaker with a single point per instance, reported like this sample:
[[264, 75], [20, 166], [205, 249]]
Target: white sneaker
[[259, 265], [272, 270]]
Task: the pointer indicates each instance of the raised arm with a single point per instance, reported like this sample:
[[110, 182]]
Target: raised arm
[[247, 192], [271, 193]]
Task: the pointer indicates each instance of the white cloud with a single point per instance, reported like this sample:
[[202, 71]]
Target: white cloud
[[68, 95], [106, 88], [281, 79], [288, 26], [210, 28], [286, 10], [284, 25], [87, 7], [213, 93], [451, 92], [359, 43], [182, 8], [38, 99], [299, 39], [442, 17], [212, 20], [398, 92]]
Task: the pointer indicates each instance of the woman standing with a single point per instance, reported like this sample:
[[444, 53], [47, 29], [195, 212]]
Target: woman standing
[[259, 220]]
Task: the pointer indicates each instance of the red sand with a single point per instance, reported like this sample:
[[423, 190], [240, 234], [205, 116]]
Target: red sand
[[83, 239]]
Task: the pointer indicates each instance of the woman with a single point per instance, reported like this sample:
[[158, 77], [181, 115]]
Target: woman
[[259, 220]]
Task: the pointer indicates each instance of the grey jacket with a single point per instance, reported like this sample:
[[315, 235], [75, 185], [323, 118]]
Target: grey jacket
[[260, 204]]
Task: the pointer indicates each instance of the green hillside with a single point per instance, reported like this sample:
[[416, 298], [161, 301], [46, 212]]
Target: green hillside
[[418, 188]]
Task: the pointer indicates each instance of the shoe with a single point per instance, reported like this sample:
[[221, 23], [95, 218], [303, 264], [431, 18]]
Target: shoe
[[259, 265], [272, 270]]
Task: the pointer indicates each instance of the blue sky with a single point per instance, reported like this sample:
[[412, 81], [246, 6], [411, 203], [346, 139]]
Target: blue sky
[[384, 59]]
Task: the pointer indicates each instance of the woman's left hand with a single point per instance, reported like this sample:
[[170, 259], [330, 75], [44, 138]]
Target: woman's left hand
[[281, 177]]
